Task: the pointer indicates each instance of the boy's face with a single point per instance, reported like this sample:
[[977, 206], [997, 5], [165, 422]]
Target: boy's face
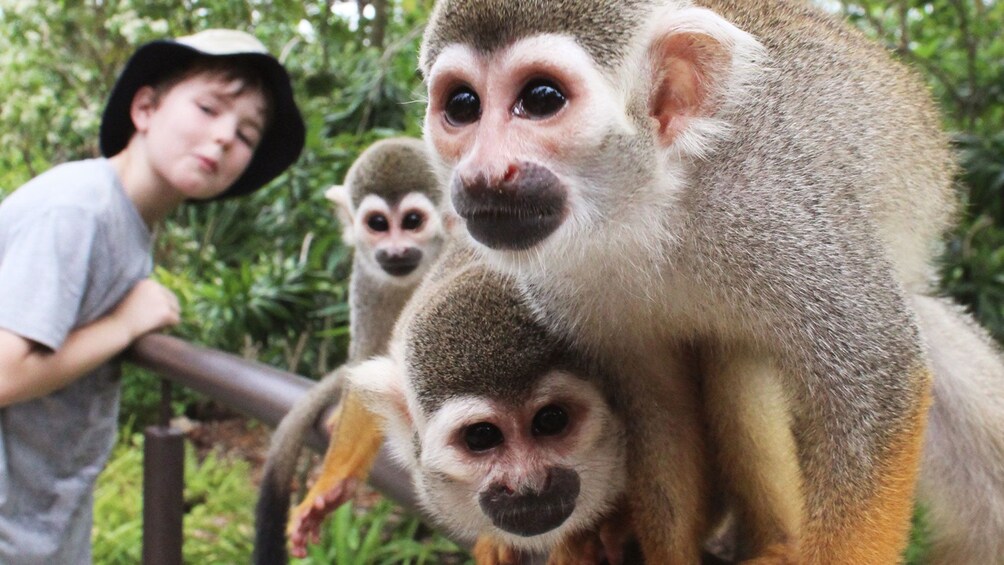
[[201, 133]]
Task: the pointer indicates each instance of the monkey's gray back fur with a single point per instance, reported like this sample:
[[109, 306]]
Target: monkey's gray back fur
[[843, 132], [962, 474]]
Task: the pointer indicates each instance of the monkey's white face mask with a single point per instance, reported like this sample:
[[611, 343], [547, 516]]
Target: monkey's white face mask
[[528, 474]]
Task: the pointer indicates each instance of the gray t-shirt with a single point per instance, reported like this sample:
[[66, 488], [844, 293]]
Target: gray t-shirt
[[72, 245]]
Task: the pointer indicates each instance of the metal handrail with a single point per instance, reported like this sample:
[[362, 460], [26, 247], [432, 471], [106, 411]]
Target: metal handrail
[[254, 389]]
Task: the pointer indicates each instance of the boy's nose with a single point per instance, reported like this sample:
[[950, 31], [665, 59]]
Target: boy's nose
[[224, 132]]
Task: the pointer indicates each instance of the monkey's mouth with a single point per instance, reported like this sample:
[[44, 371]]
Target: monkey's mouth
[[399, 264], [533, 513], [515, 213], [399, 269], [512, 229]]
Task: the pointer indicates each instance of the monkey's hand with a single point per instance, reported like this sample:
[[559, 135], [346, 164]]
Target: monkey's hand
[[355, 440], [490, 551], [603, 544]]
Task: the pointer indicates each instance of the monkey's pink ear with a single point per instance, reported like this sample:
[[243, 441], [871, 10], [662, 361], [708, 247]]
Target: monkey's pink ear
[[380, 384], [339, 194], [700, 63]]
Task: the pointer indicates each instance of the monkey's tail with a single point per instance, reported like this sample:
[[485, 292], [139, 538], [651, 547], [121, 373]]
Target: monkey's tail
[[962, 472], [272, 509]]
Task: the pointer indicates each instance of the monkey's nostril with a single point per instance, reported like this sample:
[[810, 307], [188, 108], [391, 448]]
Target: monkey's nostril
[[510, 173]]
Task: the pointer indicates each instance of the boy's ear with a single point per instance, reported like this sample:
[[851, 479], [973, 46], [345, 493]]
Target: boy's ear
[[144, 102], [339, 194]]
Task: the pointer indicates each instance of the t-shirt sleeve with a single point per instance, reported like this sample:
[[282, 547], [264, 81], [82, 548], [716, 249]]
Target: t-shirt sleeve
[[43, 275]]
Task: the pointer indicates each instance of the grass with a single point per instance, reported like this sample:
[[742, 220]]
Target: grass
[[380, 535], [218, 524]]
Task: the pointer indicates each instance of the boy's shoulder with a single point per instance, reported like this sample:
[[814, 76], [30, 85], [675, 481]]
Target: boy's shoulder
[[79, 187]]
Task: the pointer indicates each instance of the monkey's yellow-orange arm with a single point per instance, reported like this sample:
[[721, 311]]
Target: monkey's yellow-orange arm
[[356, 437]]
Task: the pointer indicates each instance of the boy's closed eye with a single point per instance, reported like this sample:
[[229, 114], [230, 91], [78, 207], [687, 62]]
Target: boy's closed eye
[[207, 109], [249, 130], [249, 137]]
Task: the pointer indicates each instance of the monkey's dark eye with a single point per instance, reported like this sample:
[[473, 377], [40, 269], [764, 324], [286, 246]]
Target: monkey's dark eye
[[463, 107], [539, 99], [412, 221], [482, 436], [378, 222], [550, 420]]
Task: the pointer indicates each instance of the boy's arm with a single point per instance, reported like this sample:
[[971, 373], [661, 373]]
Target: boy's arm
[[29, 370]]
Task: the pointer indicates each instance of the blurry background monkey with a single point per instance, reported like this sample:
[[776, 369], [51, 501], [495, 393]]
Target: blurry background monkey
[[735, 192], [387, 207]]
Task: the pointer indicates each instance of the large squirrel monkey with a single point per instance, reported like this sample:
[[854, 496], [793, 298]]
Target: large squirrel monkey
[[740, 194]]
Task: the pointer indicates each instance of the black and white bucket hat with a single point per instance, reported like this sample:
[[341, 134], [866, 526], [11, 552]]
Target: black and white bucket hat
[[283, 139]]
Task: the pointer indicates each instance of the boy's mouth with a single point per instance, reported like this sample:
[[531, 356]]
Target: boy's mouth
[[207, 164]]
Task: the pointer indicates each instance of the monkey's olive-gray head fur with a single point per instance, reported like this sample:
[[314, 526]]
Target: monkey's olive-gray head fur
[[604, 28], [391, 169], [492, 347]]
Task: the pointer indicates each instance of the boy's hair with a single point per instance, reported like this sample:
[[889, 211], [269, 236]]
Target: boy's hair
[[244, 71], [234, 55]]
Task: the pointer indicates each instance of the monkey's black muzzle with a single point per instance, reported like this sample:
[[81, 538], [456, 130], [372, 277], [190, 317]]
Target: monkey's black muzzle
[[533, 513], [516, 213], [399, 264]]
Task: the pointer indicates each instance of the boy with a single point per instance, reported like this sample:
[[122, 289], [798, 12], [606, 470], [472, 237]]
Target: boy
[[204, 117]]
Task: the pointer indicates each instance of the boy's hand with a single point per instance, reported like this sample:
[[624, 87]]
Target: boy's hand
[[149, 306]]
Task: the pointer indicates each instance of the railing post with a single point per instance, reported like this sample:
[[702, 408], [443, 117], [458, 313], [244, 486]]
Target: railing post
[[163, 488]]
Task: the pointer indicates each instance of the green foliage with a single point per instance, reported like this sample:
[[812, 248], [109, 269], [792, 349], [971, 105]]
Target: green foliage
[[263, 276], [379, 535], [217, 523], [218, 519], [919, 534]]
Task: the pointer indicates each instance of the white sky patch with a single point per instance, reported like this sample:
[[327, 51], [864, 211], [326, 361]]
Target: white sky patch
[[306, 31], [349, 11]]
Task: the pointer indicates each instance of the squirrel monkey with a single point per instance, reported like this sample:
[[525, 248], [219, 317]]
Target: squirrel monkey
[[505, 428], [720, 182], [733, 195], [388, 211]]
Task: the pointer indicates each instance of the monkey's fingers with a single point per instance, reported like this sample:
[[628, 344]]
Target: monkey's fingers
[[490, 551], [582, 548], [305, 522], [615, 532], [355, 442]]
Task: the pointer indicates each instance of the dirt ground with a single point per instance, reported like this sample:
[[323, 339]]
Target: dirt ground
[[234, 436]]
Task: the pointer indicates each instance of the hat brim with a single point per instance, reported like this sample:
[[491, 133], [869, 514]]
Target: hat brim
[[279, 148]]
